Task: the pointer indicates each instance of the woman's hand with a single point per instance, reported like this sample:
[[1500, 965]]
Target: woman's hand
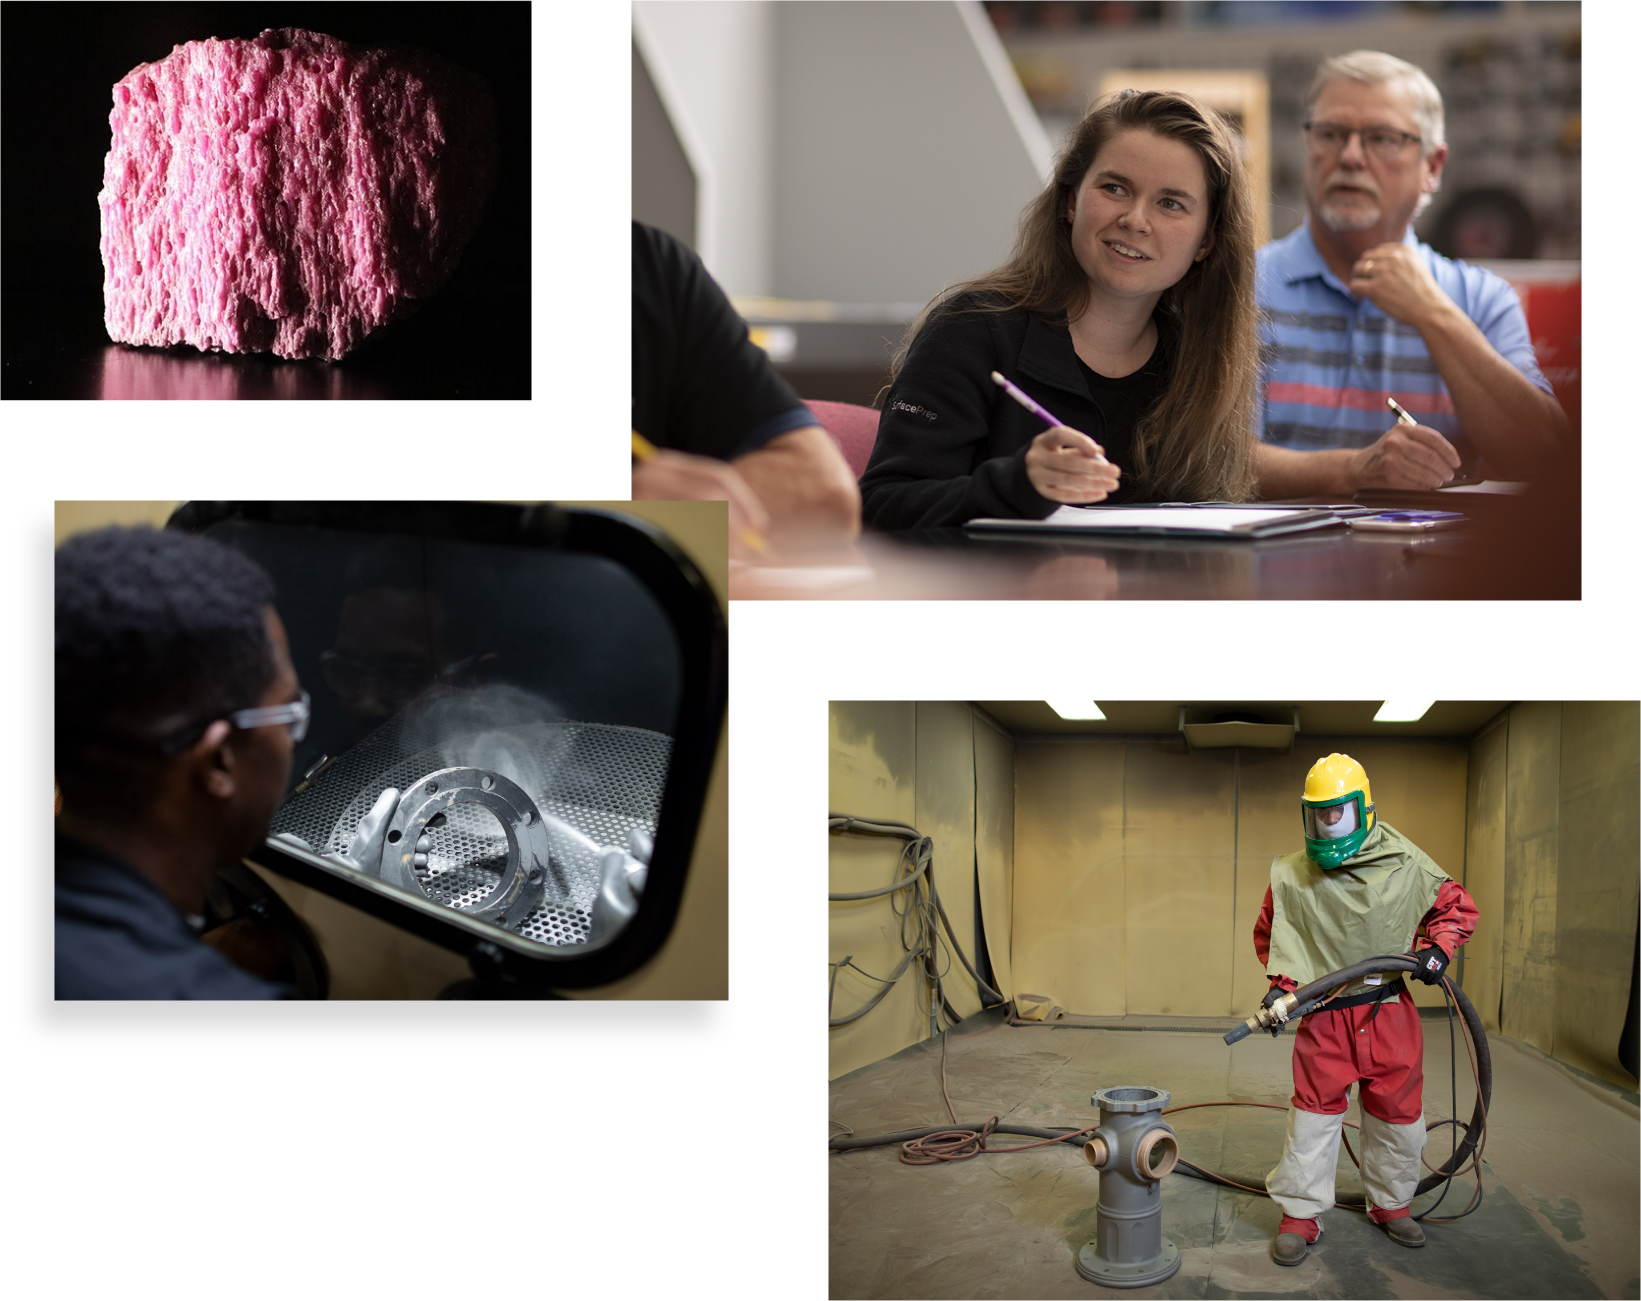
[[1069, 467]]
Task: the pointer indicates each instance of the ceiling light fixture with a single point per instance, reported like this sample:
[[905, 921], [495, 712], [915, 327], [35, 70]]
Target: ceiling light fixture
[[1077, 710], [1402, 711]]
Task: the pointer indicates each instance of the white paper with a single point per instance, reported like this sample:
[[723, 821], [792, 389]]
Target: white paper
[[818, 579], [1201, 519], [1500, 486]]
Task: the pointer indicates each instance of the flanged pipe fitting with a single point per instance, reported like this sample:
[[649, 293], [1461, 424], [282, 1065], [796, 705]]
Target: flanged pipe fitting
[[1134, 1149], [523, 880]]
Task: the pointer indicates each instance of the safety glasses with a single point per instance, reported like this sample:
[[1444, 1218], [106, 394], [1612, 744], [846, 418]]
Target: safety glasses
[[293, 715]]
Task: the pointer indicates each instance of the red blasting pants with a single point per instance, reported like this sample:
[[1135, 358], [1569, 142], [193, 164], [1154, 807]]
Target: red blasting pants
[[1334, 1050]]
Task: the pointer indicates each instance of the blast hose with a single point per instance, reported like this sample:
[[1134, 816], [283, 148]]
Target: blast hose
[[962, 1141], [1307, 998]]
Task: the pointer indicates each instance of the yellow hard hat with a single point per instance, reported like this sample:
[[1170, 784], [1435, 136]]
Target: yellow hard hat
[[1336, 809]]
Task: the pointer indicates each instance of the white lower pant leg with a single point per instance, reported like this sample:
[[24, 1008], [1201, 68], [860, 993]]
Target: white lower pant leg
[[1302, 1183], [1390, 1160]]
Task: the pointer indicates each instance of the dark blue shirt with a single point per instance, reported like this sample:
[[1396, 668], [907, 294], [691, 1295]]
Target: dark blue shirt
[[118, 936], [699, 383]]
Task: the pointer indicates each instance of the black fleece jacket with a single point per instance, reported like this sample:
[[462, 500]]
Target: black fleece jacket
[[951, 445]]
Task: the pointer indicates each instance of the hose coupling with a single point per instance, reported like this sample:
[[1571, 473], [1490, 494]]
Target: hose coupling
[[1274, 1015]]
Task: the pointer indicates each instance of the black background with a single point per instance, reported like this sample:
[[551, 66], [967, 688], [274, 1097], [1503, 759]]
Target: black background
[[60, 63]]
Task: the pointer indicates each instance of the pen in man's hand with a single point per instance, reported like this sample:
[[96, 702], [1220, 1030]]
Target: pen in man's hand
[[1401, 412]]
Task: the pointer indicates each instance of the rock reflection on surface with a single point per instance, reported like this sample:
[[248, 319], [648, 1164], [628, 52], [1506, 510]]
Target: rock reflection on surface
[[152, 373]]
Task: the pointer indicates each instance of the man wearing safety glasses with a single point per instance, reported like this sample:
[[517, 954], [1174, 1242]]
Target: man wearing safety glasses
[[1355, 311], [177, 712]]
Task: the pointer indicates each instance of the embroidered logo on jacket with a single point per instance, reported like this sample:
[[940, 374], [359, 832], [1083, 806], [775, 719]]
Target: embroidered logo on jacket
[[909, 409]]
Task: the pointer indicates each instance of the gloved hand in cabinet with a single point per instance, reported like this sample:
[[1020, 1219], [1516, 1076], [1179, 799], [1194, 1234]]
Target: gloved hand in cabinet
[[364, 851], [624, 875]]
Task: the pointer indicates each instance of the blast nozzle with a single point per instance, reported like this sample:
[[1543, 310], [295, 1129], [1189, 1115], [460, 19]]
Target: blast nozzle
[[1267, 1018]]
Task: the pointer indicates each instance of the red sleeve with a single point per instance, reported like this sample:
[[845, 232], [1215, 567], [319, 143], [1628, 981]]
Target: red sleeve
[[1451, 919], [1262, 942]]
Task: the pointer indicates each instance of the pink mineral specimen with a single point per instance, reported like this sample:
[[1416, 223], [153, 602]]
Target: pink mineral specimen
[[289, 193]]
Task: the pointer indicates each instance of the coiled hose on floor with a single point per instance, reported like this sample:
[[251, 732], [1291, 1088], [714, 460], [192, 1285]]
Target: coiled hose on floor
[[1307, 999]]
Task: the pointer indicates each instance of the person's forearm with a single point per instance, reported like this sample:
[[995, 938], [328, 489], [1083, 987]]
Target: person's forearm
[[1285, 473], [806, 486], [799, 512], [1515, 424]]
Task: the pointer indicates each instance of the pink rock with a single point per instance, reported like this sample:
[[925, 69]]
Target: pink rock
[[289, 193]]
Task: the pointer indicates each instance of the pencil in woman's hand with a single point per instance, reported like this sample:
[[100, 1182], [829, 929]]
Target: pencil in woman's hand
[[1031, 404], [1027, 401]]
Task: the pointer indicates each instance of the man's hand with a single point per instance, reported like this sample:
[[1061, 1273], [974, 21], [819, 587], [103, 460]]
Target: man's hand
[[1516, 425], [1406, 456], [1270, 998], [809, 489], [683, 476], [1432, 964], [1393, 279]]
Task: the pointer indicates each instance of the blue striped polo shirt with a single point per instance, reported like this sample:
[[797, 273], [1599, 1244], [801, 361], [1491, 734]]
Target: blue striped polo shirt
[[1329, 361]]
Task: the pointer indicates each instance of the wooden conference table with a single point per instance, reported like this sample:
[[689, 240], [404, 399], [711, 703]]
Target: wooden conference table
[[1513, 549]]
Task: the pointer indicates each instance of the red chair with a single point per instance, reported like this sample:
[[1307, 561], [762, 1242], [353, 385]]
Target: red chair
[[1551, 299], [853, 429]]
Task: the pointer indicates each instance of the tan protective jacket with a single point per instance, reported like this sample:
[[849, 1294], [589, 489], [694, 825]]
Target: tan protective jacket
[[1369, 905]]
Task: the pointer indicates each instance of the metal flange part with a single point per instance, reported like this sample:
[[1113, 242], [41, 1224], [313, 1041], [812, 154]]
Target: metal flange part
[[523, 880]]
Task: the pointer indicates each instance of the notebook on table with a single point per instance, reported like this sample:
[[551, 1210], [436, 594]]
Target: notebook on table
[[1209, 520]]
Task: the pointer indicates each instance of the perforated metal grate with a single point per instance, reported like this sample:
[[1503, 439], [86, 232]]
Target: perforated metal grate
[[599, 779]]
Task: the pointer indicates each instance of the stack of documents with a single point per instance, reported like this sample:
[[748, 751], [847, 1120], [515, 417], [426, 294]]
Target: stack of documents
[[1177, 520]]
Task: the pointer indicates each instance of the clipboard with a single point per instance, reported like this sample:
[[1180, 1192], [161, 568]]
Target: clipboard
[[1176, 519]]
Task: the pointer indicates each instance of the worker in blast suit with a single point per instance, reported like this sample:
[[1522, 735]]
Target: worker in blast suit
[[1359, 890]]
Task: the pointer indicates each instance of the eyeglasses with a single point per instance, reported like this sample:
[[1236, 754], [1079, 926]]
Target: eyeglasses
[[1383, 142], [293, 715]]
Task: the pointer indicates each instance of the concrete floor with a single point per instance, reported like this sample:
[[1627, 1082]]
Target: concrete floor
[[1560, 1173]]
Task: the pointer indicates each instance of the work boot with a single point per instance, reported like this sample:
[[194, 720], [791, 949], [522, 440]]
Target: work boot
[[1405, 1231], [1290, 1248]]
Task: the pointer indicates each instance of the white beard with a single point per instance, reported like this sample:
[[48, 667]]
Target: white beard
[[1349, 217]]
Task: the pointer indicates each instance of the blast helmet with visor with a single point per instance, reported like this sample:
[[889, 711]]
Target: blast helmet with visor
[[1337, 809]]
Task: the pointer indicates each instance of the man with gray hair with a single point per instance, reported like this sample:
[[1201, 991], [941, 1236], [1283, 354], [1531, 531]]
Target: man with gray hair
[[1356, 311]]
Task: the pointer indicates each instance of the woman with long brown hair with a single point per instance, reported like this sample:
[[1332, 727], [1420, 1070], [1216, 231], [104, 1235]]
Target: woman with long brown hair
[[1126, 309]]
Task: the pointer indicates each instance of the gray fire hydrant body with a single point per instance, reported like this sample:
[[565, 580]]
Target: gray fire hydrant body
[[1134, 1150]]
